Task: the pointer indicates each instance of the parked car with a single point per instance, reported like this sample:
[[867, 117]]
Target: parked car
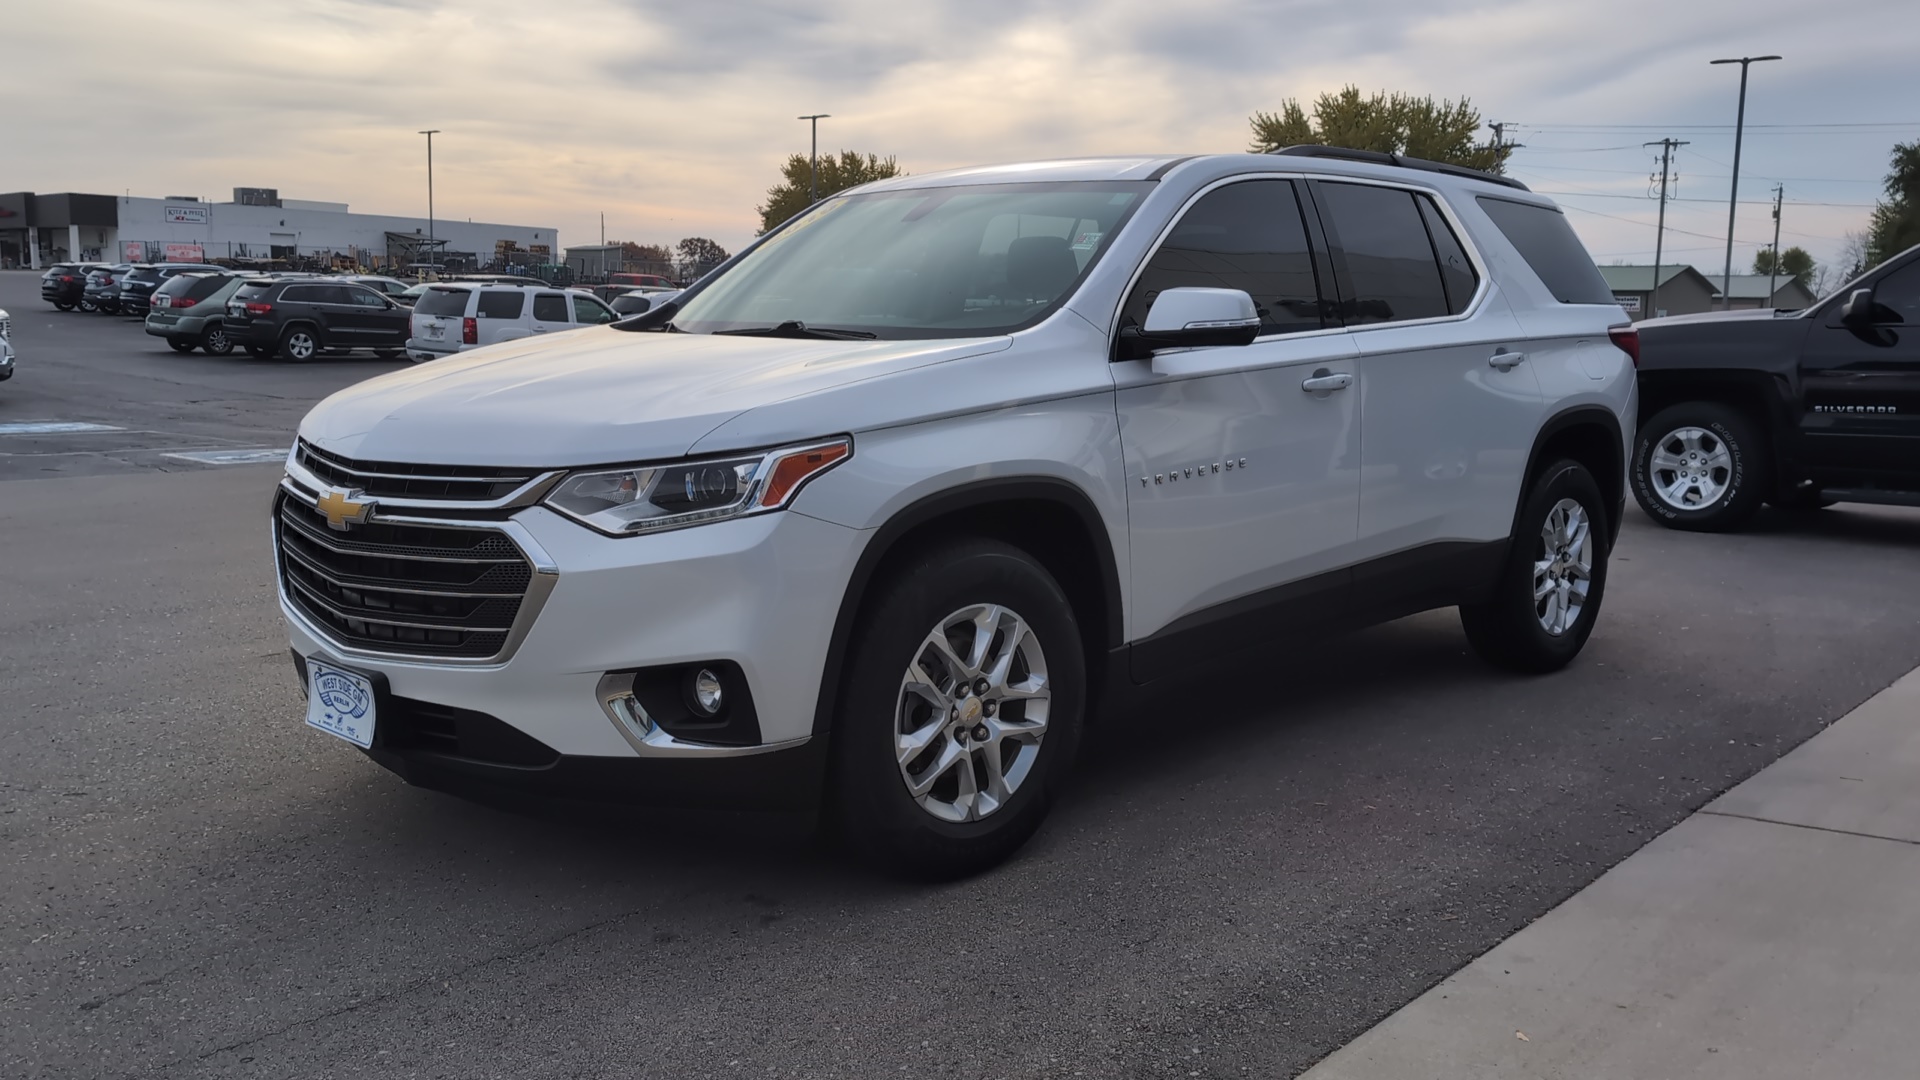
[[1105, 429], [298, 318], [64, 285], [392, 289], [6, 345], [190, 311], [640, 301], [453, 318], [138, 284], [102, 289], [1800, 409]]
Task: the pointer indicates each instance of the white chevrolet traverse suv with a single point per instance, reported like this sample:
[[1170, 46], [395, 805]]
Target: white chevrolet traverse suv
[[874, 516]]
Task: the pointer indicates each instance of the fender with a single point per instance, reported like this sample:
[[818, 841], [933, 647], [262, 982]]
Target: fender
[[887, 537], [1577, 416]]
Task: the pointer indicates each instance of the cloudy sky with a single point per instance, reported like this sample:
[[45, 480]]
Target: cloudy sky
[[672, 118]]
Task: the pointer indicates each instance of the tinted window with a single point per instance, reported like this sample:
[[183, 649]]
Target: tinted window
[[253, 290], [631, 304], [1900, 291], [1247, 236], [1456, 270], [502, 304], [1546, 241], [192, 286], [550, 307], [365, 298], [588, 311], [442, 302], [143, 274], [1391, 274], [313, 294]]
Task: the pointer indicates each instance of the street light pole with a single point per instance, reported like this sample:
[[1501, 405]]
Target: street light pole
[[1733, 198], [813, 158], [430, 135]]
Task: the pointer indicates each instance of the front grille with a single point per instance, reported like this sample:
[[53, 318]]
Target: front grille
[[467, 483], [419, 590]]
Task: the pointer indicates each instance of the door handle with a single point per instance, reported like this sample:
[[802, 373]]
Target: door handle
[[1504, 360], [1323, 381]]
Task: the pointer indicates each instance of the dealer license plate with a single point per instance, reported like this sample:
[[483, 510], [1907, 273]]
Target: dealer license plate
[[436, 332], [340, 703]]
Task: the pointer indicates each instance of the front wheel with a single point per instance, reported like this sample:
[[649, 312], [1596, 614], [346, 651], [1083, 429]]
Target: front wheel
[[1548, 594], [1699, 466], [215, 342], [299, 344], [963, 700]]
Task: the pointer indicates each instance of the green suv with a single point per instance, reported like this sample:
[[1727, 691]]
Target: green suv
[[190, 311]]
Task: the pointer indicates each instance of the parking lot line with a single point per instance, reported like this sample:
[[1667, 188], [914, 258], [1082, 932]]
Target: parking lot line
[[52, 427], [232, 457]]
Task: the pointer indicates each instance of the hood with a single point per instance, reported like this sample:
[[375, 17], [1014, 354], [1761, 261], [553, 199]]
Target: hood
[[596, 396], [1749, 315]]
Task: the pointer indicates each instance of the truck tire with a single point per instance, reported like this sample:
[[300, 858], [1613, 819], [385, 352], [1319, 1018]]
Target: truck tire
[[1700, 466], [964, 691], [1548, 594]]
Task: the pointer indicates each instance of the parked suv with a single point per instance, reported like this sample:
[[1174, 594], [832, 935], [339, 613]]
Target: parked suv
[[453, 318], [64, 285], [102, 290], [190, 311], [298, 318], [1800, 409], [880, 514], [138, 284], [6, 345]]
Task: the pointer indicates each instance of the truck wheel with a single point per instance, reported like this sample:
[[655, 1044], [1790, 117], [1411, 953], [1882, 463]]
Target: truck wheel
[[1548, 594], [1699, 466], [299, 344], [963, 697]]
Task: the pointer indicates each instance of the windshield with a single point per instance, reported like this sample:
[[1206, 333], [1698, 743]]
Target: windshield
[[923, 263]]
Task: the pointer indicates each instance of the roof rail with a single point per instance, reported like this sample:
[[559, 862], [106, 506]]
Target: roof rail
[[1375, 157]]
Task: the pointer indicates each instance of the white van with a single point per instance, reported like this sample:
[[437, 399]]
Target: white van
[[455, 317]]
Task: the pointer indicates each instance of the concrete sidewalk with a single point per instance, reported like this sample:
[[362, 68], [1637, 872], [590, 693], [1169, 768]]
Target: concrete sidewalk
[[1776, 933]]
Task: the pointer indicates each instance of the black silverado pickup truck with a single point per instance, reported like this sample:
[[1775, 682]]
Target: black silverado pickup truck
[[1801, 409]]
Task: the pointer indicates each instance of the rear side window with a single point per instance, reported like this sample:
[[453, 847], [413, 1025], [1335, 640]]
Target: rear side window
[[550, 307], [309, 294], [441, 302], [1546, 241], [1247, 236], [175, 286], [192, 287], [589, 312], [502, 304], [1391, 273], [1456, 270]]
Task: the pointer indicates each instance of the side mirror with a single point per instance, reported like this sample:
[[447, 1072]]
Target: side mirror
[[1858, 309], [1192, 318]]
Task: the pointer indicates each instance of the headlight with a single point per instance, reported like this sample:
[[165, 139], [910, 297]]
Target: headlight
[[649, 498]]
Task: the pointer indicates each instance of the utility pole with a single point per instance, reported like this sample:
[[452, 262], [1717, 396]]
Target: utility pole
[[430, 243], [1667, 147], [813, 158], [1779, 196], [1733, 196]]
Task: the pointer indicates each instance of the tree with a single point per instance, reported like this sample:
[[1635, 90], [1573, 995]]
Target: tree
[[849, 169], [1895, 225], [1794, 263], [1389, 123], [696, 255], [1853, 256]]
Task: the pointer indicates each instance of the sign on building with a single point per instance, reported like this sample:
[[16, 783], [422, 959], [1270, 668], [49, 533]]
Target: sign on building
[[1631, 304], [192, 253], [133, 250], [186, 215]]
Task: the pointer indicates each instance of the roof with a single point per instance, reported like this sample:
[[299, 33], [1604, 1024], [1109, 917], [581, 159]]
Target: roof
[[1754, 287], [1631, 279]]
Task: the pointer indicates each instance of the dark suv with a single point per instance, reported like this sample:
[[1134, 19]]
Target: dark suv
[[102, 290], [136, 288], [300, 317], [64, 285]]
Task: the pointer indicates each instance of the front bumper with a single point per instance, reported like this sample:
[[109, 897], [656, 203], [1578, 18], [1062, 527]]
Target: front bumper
[[757, 592]]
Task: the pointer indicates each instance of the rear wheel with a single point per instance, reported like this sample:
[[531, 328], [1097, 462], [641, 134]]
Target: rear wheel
[[179, 344], [63, 305], [299, 344], [215, 341], [89, 306], [1548, 595], [963, 701], [1699, 466]]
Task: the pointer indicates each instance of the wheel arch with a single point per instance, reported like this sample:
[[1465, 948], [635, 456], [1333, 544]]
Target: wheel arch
[[1762, 396], [1592, 436], [1048, 517]]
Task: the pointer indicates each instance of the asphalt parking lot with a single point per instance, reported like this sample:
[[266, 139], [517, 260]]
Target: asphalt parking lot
[[1255, 866]]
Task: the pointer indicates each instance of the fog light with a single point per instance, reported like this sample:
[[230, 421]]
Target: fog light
[[705, 695]]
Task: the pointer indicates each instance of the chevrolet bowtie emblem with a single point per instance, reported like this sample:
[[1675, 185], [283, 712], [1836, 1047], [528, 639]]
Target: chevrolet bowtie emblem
[[342, 509]]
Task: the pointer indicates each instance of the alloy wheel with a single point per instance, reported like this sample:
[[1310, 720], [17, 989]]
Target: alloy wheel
[[300, 345], [1691, 469], [1563, 572], [216, 343], [972, 713]]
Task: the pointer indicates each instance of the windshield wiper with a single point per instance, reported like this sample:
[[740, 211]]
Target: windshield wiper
[[794, 328]]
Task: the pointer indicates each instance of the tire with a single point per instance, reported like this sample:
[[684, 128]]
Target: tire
[[215, 342], [944, 833], [63, 305], [258, 352], [1512, 628], [299, 343], [180, 344], [88, 306], [1699, 466]]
